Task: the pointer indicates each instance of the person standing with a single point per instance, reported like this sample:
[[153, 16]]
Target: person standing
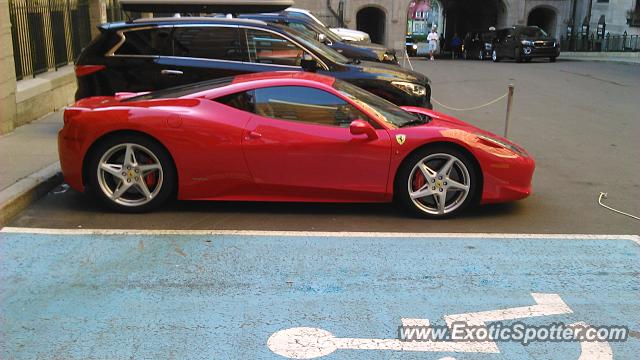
[[433, 39]]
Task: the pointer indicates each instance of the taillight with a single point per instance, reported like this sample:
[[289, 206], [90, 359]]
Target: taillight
[[84, 70], [71, 112]]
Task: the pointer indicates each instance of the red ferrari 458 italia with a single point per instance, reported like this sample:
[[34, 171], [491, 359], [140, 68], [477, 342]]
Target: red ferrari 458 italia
[[283, 136]]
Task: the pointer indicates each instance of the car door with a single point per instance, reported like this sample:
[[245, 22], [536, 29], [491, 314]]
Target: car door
[[204, 52], [298, 147], [136, 63], [509, 43]]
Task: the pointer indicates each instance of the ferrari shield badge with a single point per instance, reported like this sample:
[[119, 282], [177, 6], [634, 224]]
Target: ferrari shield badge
[[400, 138]]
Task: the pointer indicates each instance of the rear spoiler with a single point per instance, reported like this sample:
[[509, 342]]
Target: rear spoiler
[[206, 6]]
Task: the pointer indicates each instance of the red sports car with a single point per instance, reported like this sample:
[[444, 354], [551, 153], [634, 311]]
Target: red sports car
[[283, 136]]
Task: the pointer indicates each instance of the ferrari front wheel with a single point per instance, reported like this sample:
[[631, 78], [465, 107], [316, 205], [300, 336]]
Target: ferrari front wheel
[[131, 173], [437, 182]]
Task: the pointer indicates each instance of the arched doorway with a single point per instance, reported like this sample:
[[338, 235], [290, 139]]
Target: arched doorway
[[371, 20], [543, 17], [462, 16]]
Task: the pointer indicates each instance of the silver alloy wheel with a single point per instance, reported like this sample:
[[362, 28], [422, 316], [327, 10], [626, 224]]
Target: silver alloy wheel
[[481, 57], [130, 174], [494, 55], [439, 192]]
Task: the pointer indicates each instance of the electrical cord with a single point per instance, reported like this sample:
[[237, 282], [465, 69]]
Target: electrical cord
[[603, 195]]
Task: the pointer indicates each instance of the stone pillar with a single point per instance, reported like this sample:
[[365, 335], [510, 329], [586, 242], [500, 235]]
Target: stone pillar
[[7, 72], [97, 15]]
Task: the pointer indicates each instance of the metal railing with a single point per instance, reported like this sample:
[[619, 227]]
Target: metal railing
[[47, 34], [608, 43]]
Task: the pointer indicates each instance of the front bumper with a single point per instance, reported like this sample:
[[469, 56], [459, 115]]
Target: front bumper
[[535, 52], [507, 179]]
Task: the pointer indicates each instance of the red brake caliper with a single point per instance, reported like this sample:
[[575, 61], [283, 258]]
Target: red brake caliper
[[150, 178], [418, 181]]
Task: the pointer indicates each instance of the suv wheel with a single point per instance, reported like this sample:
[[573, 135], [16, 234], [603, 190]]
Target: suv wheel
[[494, 56], [481, 55]]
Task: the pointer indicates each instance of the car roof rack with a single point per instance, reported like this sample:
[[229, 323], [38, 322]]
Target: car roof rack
[[205, 6]]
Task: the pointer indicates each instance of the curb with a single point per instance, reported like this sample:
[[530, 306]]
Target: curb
[[23, 193]]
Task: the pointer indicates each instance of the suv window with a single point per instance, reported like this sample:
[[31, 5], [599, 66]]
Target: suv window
[[268, 48], [298, 103], [151, 42], [218, 43]]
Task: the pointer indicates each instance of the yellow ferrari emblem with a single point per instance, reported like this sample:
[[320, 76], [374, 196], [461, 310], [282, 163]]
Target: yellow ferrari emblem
[[401, 138]]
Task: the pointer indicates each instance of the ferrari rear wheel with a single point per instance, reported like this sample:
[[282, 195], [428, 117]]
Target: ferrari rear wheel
[[437, 183], [131, 173]]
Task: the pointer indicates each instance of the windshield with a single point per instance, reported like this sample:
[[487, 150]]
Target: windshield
[[315, 46], [384, 110], [532, 32]]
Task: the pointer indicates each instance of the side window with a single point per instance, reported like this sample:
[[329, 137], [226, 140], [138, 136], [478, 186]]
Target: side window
[[267, 48], [151, 42], [241, 101], [298, 103], [218, 43]]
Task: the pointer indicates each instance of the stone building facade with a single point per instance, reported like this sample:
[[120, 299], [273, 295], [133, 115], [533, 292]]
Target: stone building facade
[[458, 15]]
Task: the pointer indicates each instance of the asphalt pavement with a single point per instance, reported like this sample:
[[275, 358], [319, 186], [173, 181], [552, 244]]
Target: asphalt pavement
[[579, 120]]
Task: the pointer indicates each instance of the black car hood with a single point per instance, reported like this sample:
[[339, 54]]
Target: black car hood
[[380, 49], [391, 71]]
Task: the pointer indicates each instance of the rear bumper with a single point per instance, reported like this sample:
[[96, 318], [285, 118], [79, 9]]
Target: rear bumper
[[69, 151]]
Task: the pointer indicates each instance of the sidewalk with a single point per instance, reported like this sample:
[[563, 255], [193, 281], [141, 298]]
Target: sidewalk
[[29, 166], [616, 57]]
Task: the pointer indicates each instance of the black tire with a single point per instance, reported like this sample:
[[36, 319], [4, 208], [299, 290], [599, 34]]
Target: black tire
[[494, 56], [528, 59], [161, 189], [552, 59], [420, 207]]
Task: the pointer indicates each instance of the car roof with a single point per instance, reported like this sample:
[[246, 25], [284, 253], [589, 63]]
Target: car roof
[[187, 20]]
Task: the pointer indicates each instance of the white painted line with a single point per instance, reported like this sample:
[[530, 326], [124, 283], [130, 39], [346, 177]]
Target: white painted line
[[22, 230], [309, 343], [594, 350], [546, 304]]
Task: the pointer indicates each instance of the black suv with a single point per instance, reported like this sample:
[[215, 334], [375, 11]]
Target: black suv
[[157, 53], [305, 26], [524, 43], [479, 44]]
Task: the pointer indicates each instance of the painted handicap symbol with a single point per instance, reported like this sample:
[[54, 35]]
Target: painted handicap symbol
[[310, 343]]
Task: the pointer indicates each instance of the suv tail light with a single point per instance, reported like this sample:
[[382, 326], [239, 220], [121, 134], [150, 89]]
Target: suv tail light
[[84, 70]]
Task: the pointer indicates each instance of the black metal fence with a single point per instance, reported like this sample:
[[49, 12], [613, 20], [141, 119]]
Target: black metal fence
[[608, 43], [47, 34]]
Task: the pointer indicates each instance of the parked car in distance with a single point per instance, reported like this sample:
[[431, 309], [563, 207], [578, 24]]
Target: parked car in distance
[[411, 46], [478, 44], [344, 33], [157, 53], [283, 136], [524, 43], [361, 51]]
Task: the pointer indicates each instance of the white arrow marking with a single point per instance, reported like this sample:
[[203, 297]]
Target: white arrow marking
[[594, 350], [309, 343], [546, 304]]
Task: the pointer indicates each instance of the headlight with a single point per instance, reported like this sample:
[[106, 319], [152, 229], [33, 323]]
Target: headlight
[[415, 47], [527, 42], [410, 88], [502, 143]]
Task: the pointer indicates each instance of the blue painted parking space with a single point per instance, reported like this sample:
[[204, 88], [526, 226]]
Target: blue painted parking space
[[243, 295]]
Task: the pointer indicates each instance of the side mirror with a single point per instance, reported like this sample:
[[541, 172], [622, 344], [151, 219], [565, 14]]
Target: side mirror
[[361, 127], [308, 63]]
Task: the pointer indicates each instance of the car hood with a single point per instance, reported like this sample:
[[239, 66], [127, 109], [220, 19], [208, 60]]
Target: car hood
[[392, 71], [379, 49]]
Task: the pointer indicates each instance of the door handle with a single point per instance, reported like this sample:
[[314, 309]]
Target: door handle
[[254, 135], [171, 72]]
